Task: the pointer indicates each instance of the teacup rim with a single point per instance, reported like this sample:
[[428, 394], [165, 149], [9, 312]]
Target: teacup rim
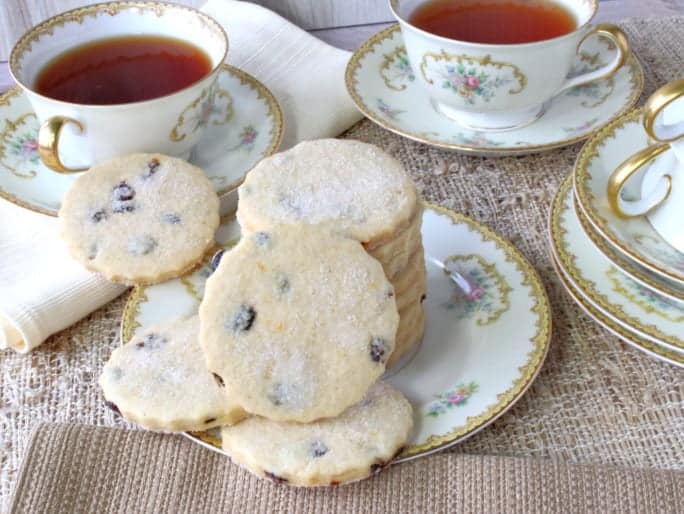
[[24, 39], [499, 46]]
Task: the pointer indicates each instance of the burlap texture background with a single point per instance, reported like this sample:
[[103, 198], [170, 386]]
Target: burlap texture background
[[595, 400]]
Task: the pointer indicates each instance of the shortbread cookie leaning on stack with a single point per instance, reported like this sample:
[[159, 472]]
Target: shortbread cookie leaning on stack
[[159, 380], [140, 219], [354, 189], [352, 446], [298, 322]]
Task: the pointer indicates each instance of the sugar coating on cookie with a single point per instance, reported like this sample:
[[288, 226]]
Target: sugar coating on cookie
[[354, 187], [298, 322], [141, 218], [160, 381], [357, 443]]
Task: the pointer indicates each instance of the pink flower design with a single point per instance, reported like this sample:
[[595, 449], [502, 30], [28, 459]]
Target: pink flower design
[[472, 82], [475, 294]]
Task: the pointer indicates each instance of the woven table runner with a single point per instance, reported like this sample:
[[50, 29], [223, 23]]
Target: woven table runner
[[82, 469], [595, 401]]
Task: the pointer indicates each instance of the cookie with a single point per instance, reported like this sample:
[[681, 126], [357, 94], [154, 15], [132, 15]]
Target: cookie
[[409, 333], [159, 380], [405, 241], [298, 322], [352, 446], [141, 218], [354, 188]]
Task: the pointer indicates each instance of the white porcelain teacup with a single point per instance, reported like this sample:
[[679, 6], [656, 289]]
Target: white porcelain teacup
[[662, 183], [522, 77], [74, 136]]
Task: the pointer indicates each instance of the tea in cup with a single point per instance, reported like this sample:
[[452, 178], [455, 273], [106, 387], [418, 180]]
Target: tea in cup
[[495, 64], [662, 184], [117, 78]]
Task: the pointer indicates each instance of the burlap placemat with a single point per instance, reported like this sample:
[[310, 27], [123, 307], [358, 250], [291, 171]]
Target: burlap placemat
[[77, 468], [595, 400]]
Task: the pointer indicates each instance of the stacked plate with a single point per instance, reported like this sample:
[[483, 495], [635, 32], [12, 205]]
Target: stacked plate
[[619, 270]]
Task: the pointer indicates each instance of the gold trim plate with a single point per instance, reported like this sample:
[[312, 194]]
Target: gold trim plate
[[527, 285], [271, 125], [386, 46]]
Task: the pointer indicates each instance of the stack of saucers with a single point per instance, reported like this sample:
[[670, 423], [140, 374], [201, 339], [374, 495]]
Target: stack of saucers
[[619, 269]]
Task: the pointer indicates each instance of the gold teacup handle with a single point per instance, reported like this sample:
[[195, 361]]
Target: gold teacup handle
[[628, 209], [48, 143], [655, 106], [618, 37]]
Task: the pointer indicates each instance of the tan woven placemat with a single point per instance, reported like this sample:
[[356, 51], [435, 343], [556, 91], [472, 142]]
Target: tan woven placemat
[[77, 468], [595, 401]]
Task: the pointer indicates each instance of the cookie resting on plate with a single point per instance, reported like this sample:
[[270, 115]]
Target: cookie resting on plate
[[298, 322], [352, 446], [141, 218]]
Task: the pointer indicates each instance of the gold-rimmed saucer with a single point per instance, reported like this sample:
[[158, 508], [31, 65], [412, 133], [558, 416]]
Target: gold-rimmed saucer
[[242, 126], [382, 84]]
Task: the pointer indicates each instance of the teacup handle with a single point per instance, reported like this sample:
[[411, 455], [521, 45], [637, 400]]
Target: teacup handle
[[653, 110], [628, 209], [48, 143], [608, 31]]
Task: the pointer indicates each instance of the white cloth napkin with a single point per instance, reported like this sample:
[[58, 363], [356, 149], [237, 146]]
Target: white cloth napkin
[[43, 291]]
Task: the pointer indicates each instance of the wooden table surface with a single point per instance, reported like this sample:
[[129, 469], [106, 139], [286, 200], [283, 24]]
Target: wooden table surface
[[16, 16]]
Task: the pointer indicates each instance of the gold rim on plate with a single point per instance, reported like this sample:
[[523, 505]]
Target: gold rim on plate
[[263, 93], [528, 372], [634, 340], [368, 46], [585, 198], [567, 261]]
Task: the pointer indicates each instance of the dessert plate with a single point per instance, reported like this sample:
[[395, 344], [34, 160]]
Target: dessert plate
[[243, 126], [629, 304], [631, 338], [632, 237], [479, 353], [641, 275], [381, 82]]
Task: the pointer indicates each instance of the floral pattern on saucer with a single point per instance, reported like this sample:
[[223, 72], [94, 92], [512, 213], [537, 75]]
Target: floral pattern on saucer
[[451, 376], [650, 301], [487, 300], [634, 238], [385, 88], [243, 124]]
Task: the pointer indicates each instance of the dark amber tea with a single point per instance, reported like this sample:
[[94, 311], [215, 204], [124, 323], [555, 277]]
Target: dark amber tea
[[492, 21], [122, 70]]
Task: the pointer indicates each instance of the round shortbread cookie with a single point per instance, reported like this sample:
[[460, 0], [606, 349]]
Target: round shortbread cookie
[[352, 446], [141, 218], [160, 381], [412, 276], [298, 322], [410, 334], [355, 188], [411, 296]]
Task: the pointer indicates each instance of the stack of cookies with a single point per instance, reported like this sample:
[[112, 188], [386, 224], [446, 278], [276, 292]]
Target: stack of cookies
[[298, 321], [358, 191]]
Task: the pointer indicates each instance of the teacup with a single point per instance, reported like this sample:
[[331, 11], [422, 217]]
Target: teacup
[[522, 78], [74, 136], [662, 183]]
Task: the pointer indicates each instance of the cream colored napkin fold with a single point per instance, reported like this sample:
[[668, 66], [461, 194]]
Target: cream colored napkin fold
[[77, 468], [43, 291], [305, 74]]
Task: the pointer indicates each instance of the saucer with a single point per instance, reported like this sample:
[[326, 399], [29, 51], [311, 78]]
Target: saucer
[[632, 237], [244, 126], [381, 82], [626, 336], [629, 268], [479, 353], [628, 303]]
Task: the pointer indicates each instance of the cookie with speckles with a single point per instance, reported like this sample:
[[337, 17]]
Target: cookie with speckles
[[141, 218], [354, 188], [354, 445], [159, 380], [298, 322], [409, 333]]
